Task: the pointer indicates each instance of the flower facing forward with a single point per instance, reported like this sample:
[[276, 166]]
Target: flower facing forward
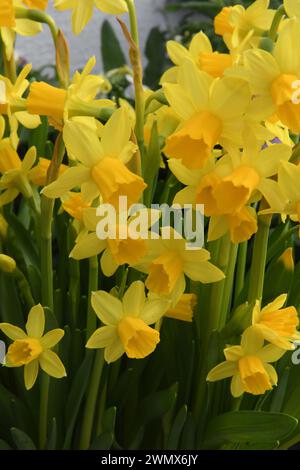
[[211, 112], [276, 324], [168, 262], [248, 365], [126, 323], [32, 349], [102, 169], [82, 11], [274, 76]]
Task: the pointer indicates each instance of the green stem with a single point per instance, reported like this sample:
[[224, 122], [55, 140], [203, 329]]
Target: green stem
[[259, 258], [135, 56], [9, 65], [47, 206], [24, 287], [93, 286], [91, 401], [228, 288], [276, 22], [217, 289], [240, 270]]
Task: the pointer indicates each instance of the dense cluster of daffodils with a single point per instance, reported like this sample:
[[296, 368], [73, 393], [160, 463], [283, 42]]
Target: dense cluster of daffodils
[[222, 132]]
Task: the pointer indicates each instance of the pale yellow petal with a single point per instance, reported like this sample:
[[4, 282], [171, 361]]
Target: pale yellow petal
[[89, 245], [134, 299], [50, 339], [108, 308], [102, 337], [52, 365], [222, 371], [236, 386], [31, 371], [252, 341], [36, 322], [70, 179], [12, 332]]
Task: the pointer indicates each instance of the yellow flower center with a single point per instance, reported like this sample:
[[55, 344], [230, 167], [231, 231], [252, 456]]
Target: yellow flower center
[[23, 351], [284, 322], [235, 190], [253, 375], [164, 272], [138, 339], [242, 226], [9, 159], [114, 180], [214, 63], [46, 100], [75, 205], [193, 142], [127, 251], [7, 14], [282, 94], [205, 194], [221, 22]]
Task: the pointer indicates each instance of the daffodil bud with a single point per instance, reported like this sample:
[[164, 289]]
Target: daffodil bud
[[7, 264]]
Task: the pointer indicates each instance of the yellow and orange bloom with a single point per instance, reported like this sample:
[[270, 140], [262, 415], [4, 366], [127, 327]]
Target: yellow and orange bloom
[[33, 349], [249, 365]]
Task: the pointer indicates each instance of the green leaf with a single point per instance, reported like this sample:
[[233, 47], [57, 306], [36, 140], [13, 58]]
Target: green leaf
[[155, 51], [76, 395], [111, 51], [22, 440], [52, 439], [4, 445], [176, 429], [103, 442], [157, 405], [248, 426]]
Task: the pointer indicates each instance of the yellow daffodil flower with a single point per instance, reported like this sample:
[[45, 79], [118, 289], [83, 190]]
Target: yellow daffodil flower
[[248, 365], [10, 25], [237, 177], [32, 349], [11, 102], [15, 172], [126, 323], [117, 250], [241, 27], [211, 112], [168, 262], [82, 11], [184, 309], [38, 174], [102, 167], [276, 324], [274, 76], [200, 52], [79, 99], [288, 188]]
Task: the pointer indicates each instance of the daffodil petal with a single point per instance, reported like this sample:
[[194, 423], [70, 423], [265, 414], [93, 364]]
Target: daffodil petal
[[102, 337], [52, 365], [222, 371], [31, 371], [36, 322], [12, 332], [50, 339], [134, 299], [108, 308]]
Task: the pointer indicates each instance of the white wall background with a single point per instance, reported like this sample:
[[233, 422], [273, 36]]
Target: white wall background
[[39, 50]]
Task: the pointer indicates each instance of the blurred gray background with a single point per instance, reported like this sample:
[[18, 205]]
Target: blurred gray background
[[39, 50]]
